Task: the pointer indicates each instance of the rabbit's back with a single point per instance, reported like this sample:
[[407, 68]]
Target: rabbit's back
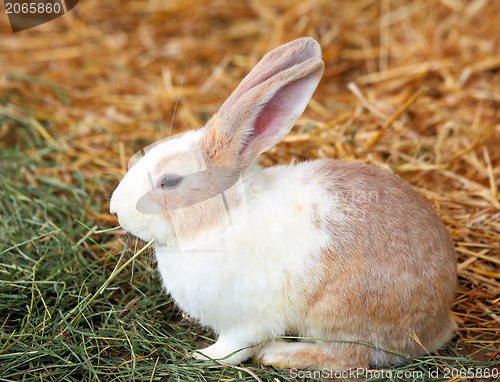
[[389, 269]]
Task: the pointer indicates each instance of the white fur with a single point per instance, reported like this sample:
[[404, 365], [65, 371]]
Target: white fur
[[240, 290]]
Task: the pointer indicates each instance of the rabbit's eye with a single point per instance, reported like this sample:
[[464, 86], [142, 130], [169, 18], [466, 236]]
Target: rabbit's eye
[[171, 181]]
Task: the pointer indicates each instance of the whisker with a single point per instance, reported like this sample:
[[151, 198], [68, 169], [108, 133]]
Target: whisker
[[113, 176], [149, 262], [160, 118], [107, 220], [176, 102], [125, 247]]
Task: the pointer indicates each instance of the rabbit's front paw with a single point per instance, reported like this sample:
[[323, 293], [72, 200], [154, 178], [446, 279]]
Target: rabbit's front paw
[[224, 352]]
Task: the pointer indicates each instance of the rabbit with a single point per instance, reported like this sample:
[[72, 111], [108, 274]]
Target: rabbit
[[342, 255]]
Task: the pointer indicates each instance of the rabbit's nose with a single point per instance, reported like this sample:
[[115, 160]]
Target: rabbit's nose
[[112, 206], [116, 200]]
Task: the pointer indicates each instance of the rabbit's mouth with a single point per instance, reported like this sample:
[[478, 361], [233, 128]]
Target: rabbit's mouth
[[137, 227]]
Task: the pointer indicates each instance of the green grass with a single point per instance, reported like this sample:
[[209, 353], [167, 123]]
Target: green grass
[[73, 309]]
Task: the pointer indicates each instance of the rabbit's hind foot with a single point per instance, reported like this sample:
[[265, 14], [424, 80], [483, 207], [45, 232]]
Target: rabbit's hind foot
[[309, 355]]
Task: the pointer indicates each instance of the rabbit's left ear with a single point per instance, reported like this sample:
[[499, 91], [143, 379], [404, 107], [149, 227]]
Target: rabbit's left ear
[[266, 105]]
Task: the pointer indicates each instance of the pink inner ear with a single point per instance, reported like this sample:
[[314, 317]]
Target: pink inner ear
[[271, 124]]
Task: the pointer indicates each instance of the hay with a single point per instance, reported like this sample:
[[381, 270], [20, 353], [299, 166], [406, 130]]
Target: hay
[[412, 87]]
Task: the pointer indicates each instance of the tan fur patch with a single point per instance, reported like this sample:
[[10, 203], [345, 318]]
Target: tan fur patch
[[197, 211], [218, 150], [310, 355], [169, 159], [389, 270]]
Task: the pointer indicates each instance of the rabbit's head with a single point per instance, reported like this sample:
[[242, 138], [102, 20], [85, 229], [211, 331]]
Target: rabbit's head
[[190, 189]]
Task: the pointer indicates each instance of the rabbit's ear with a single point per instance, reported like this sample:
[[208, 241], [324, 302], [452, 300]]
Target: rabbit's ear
[[266, 105]]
